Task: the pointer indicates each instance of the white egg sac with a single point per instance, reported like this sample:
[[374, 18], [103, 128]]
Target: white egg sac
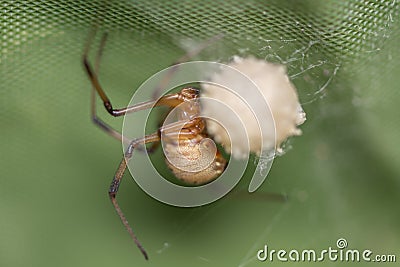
[[284, 112]]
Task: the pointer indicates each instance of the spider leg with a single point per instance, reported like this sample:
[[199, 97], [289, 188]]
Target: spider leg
[[112, 192], [92, 74], [93, 77], [96, 120], [99, 122], [170, 100]]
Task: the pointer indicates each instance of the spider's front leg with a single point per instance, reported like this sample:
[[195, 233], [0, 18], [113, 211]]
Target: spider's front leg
[[92, 73]]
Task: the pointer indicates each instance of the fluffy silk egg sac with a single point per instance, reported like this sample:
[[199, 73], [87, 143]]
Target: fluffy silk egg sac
[[243, 99]]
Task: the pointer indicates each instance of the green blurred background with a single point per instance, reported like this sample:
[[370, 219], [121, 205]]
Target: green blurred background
[[342, 176]]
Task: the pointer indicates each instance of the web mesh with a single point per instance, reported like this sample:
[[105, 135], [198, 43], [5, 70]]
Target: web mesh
[[345, 52], [312, 39]]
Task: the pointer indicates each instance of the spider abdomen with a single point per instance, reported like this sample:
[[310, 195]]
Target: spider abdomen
[[195, 160]]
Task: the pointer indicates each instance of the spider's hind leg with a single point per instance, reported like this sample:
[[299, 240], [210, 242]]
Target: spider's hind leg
[[116, 181]]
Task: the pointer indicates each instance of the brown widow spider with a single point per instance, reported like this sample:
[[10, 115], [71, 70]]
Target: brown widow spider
[[183, 139]]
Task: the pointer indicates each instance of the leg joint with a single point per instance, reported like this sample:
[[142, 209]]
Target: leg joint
[[112, 191]]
